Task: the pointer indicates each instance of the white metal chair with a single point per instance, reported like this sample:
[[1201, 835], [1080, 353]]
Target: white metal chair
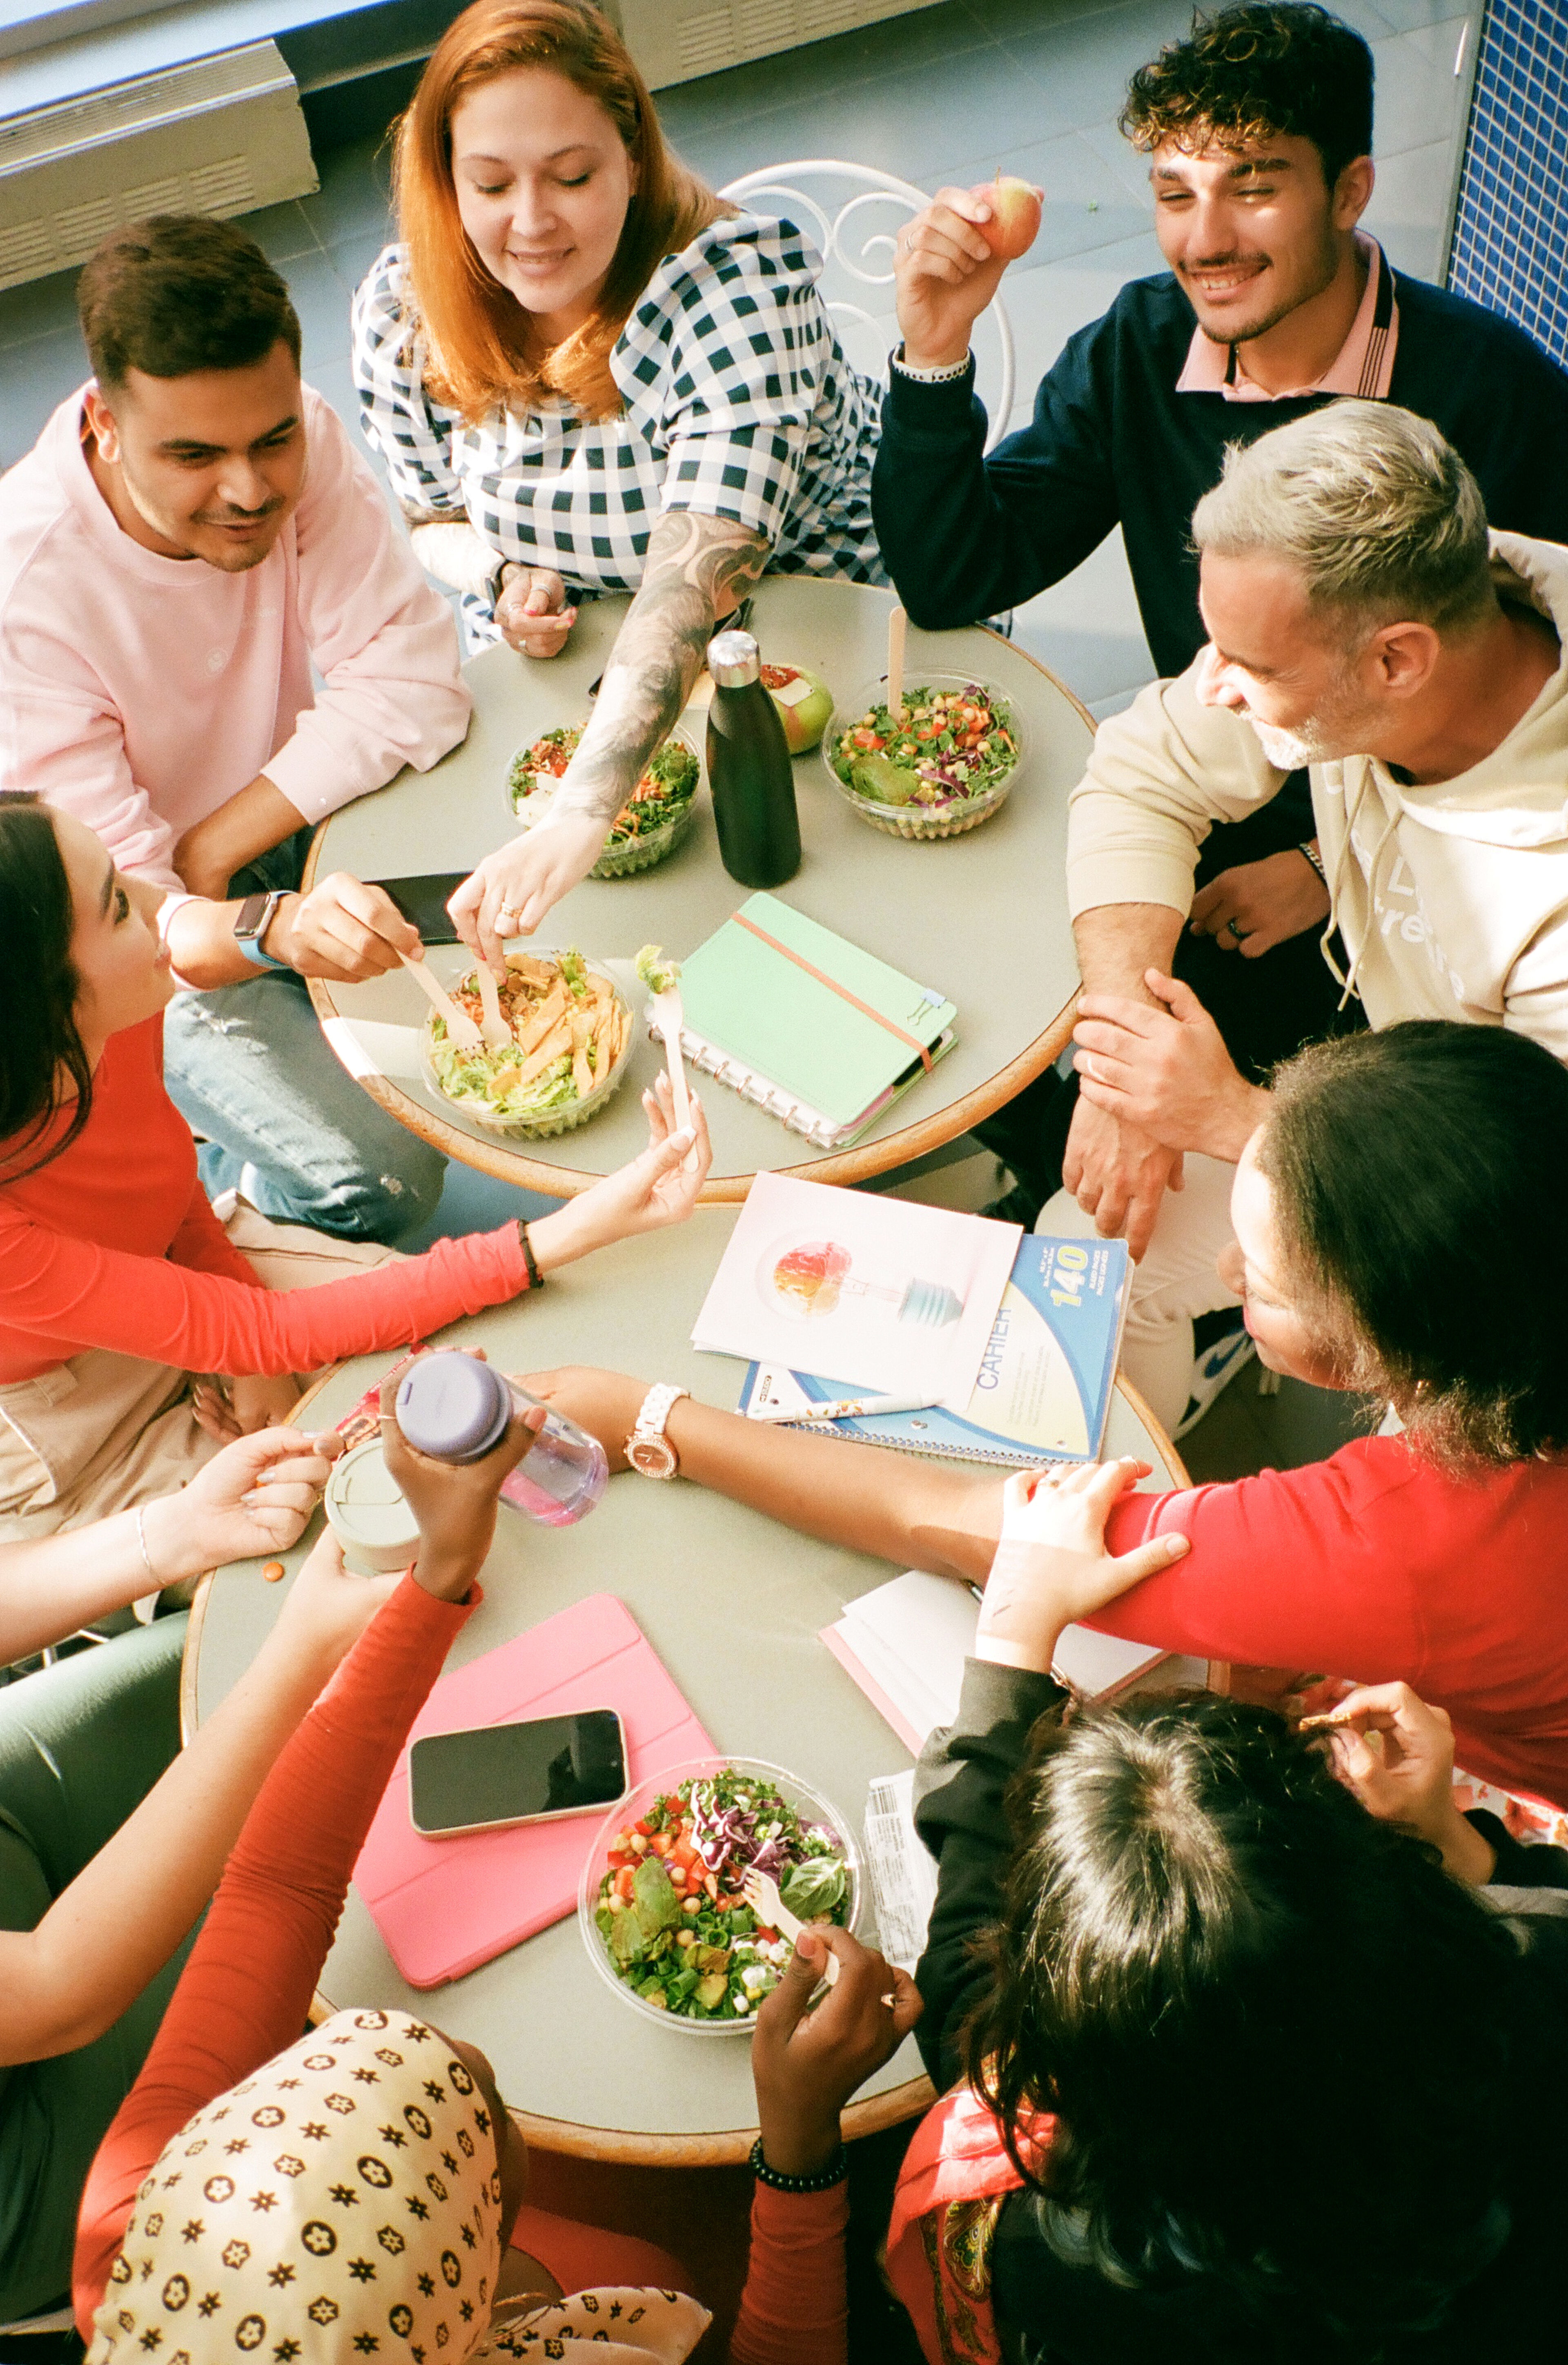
[[847, 239]]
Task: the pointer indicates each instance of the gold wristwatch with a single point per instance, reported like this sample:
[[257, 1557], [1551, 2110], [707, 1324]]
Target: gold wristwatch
[[648, 1449]]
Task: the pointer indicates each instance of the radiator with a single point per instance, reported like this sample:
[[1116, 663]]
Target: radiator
[[221, 135], [675, 40]]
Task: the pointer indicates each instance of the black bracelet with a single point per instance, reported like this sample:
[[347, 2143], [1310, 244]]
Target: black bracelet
[[535, 1278], [1313, 855], [825, 2179]]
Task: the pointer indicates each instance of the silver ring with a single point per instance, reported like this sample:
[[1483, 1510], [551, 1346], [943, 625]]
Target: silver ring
[[891, 2003]]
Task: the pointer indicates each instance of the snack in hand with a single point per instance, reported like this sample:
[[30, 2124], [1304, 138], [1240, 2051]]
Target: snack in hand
[[569, 1028], [805, 703], [669, 1908], [1015, 221], [667, 787], [951, 748]]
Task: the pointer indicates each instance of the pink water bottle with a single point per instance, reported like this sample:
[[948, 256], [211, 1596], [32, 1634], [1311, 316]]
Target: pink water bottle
[[456, 1409]]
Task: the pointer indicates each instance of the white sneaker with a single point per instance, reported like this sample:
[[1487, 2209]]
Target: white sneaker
[[1214, 1370]]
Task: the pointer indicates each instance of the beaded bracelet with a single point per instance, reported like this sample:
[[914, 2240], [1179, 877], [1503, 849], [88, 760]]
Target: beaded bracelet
[[535, 1278], [823, 2181], [1313, 855]]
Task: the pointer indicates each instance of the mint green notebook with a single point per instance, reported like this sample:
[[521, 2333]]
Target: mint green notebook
[[795, 1041]]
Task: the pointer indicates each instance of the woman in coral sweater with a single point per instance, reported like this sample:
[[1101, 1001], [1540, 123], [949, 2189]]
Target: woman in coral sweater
[[366, 2179], [1399, 1232], [118, 1283]]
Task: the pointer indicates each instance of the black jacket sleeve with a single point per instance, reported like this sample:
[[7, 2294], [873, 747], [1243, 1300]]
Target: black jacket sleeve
[[965, 536], [959, 1812]]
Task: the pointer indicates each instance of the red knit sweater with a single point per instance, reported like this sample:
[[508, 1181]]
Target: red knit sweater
[[113, 1244]]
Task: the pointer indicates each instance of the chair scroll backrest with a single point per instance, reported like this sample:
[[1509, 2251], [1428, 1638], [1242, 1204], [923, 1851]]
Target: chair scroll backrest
[[856, 242]]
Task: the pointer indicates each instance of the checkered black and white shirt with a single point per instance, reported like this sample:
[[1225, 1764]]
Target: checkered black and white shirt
[[738, 403]]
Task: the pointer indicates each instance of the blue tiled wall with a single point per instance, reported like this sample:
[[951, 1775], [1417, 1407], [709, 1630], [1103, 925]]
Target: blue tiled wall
[[1510, 239]]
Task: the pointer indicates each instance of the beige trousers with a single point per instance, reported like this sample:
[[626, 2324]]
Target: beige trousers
[[104, 1431]]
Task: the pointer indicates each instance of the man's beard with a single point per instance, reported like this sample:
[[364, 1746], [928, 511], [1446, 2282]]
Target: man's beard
[[1326, 737]]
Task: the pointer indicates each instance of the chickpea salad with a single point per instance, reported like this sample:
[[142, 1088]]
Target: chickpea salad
[[951, 748], [670, 1909], [668, 786]]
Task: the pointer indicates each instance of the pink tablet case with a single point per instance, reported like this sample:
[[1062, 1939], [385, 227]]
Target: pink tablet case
[[445, 1906]]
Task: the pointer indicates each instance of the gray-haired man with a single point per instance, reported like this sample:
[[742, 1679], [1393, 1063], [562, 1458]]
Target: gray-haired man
[[1361, 621]]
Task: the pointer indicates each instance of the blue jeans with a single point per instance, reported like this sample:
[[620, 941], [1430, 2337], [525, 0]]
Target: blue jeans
[[247, 1066]]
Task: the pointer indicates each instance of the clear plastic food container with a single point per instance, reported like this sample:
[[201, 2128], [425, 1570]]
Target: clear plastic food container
[[957, 815], [550, 1122], [809, 1804], [634, 854]]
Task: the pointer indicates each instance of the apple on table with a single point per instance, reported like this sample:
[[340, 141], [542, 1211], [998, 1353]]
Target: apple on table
[[804, 702]]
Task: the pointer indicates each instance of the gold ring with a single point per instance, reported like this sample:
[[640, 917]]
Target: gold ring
[[891, 2003]]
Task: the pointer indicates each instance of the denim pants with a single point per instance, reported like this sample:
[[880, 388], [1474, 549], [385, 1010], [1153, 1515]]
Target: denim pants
[[247, 1066]]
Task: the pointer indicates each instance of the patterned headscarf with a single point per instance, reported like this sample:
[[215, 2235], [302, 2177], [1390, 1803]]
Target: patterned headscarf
[[343, 2201]]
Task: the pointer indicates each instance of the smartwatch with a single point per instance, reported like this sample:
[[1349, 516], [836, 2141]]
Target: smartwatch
[[255, 917], [648, 1449]]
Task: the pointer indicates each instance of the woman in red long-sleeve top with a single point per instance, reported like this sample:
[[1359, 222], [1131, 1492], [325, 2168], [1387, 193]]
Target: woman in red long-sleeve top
[[117, 1280], [1399, 1231], [366, 2180]]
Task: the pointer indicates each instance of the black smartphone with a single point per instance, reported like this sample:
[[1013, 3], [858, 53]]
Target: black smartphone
[[524, 1772], [423, 901]]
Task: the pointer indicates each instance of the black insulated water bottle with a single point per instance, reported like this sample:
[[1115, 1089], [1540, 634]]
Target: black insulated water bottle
[[749, 771]]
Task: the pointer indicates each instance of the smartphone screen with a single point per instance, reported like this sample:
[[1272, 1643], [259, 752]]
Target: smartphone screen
[[423, 901], [516, 1773]]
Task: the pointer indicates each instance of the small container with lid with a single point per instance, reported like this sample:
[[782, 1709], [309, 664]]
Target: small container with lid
[[378, 1532], [456, 1409]]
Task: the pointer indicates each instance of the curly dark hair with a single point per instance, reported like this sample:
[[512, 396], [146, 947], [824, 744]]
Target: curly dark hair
[[1406, 1165], [1267, 68], [38, 985], [1200, 1921]]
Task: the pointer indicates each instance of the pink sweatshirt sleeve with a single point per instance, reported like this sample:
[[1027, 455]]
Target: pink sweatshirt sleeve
[[795, 2306], [73, 1293], [383, 642], [62, 737], [245, 1992]]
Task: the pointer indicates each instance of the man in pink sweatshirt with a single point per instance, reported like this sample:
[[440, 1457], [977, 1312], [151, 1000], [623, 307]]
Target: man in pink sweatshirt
[[190, 538]]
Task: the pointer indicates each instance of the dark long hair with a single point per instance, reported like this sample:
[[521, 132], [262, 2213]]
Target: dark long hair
[[1413, 1171], [1209, 1952], [39, 986]]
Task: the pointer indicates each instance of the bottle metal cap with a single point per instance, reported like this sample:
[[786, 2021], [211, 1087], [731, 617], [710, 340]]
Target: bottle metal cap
[[452, 1406], [733, 659], [368, 1514]]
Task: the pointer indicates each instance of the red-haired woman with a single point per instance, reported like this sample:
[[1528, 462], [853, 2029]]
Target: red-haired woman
[[583, 368]]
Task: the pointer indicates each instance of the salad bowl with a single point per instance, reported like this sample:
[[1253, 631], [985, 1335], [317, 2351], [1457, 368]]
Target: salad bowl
[[470, 1081], [733, 1828], [628, 847], [950, 804]]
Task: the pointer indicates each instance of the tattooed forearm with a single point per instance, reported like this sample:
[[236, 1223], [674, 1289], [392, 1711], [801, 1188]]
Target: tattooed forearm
[[698, 569]]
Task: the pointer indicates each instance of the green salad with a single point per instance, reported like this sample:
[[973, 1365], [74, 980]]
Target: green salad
[[667, 787], [569, 1029], [952, 747], [670, 1908]]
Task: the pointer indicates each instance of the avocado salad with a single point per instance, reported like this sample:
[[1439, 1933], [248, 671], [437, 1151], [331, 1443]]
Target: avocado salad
[[667, 787], [951, 747], [670, 1908]]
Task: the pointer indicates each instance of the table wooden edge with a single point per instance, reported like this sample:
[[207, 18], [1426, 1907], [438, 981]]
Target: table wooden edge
[[721, 2148], [861, 1164]]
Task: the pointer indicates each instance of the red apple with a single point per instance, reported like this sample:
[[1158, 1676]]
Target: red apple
[[804, 702], [1015, 221]]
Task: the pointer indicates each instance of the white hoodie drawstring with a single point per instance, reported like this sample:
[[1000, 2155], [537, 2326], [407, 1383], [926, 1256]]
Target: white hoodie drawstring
[[1353, 813]]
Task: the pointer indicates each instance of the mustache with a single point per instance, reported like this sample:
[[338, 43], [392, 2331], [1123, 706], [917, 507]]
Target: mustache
[[239, 517]]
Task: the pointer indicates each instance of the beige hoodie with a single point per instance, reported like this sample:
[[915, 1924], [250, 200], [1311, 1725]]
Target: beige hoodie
[[1452, 898]]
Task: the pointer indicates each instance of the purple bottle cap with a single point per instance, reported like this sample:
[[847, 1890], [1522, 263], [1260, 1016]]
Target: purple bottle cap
[[453, 1408]]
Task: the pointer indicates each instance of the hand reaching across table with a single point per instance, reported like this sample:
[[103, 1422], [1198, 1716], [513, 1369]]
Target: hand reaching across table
[[1051, 1566], [658, 1188]]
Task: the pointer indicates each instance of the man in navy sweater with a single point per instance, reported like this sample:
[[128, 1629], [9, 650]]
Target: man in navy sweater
[[1257, 129]]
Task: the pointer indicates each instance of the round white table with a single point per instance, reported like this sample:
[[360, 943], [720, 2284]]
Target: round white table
[[733, 1604], [982, 917]]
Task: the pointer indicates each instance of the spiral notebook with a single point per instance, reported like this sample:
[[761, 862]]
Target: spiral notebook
[[821, 1033], [1044, 1389]]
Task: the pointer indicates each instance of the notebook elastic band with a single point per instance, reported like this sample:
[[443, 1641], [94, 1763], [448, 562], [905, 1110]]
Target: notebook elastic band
[[842, 991]]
